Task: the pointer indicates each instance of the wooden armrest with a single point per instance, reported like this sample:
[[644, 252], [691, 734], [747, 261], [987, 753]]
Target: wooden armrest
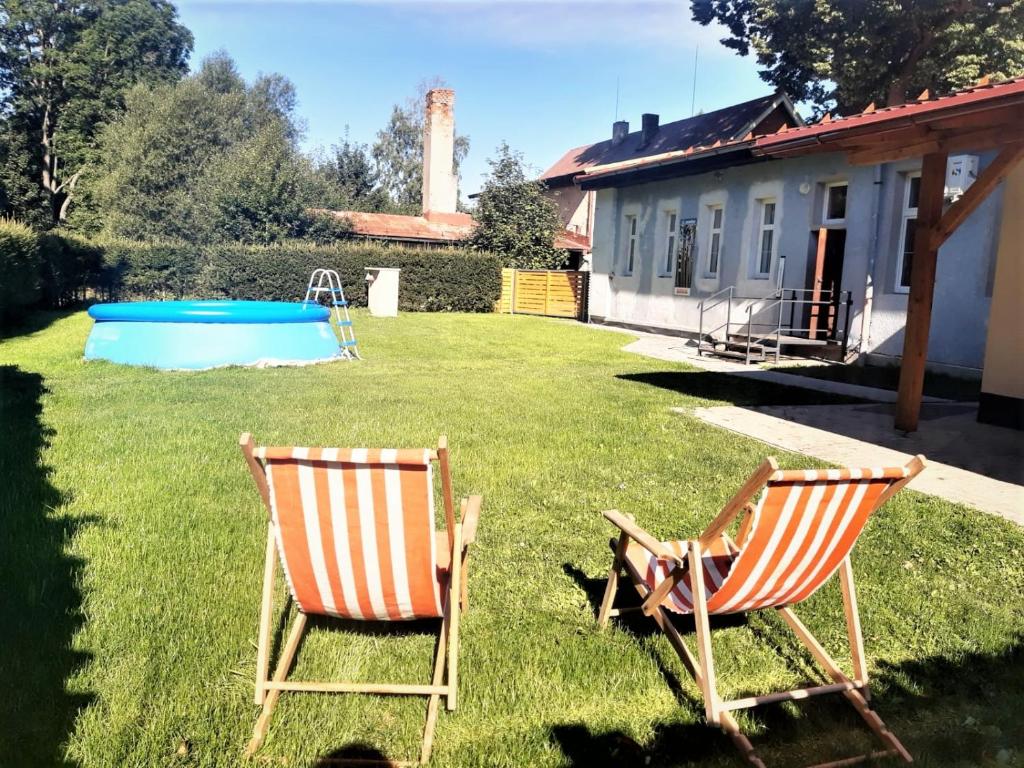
[[470, 517], [641, 537], [743, 496]]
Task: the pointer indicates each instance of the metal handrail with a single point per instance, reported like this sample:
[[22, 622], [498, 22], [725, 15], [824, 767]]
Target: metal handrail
[[781, 302], [779, 298]]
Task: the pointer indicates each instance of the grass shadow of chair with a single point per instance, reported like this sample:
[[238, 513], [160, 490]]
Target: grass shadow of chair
[[354, 754], [41, 608]]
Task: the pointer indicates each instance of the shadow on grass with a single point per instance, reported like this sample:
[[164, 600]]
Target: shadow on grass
[[354, 754], [40, 607], [940, 707], [735, 389], [947, 712], [38, 320]]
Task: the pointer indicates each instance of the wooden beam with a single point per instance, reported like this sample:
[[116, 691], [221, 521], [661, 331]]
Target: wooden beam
[[949, 139], [922, 290], [987, 180]]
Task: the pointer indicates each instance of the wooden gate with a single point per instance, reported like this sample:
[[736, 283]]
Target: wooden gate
[[554, 293]]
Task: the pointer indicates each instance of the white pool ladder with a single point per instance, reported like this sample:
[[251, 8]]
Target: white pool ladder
[[328, 281]]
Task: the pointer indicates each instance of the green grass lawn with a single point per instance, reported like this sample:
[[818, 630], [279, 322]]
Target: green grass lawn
[[131, 546]]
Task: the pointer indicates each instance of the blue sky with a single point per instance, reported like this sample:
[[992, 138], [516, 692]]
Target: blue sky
[[540, 75]]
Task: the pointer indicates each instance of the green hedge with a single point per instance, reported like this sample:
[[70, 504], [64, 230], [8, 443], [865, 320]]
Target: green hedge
[[70, 265], [19, 269], [439, 280], [432, 280]]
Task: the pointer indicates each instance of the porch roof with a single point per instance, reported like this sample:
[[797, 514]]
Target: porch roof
[[987, 115]]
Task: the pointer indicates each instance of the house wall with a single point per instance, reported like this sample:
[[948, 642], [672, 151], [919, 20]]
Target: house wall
[[963, 280], [646, 297], [1002, 384]]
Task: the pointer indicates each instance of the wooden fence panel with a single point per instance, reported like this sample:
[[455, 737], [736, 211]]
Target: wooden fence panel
[[554, 293]]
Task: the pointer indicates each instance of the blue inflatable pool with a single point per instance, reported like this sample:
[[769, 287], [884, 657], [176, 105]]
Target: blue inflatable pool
[[208, 334]]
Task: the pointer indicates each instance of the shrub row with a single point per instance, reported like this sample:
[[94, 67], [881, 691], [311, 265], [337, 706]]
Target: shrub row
[[57, 269], [19, 269]]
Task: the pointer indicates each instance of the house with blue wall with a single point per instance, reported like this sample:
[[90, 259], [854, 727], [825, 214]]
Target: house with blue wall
[[698, 232]]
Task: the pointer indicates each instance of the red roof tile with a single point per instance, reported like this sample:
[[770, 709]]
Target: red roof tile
[[434, 227], [443, 228], [980, 96]]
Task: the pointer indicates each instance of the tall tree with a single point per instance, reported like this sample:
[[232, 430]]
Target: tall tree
[[350, 174], [398, 151], [208, 159], [65, 66], [514, 218], [840, 55]]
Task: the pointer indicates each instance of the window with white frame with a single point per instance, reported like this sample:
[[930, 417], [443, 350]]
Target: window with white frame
[[764, 253], [631, 243], [671, 221], [835, 203], [908, 230], [716, 214]]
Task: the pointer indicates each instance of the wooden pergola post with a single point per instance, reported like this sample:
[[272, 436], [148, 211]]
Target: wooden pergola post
[[922, 290]]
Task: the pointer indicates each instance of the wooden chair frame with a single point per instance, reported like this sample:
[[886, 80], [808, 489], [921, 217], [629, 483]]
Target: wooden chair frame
[[702, 667], [444, 681]]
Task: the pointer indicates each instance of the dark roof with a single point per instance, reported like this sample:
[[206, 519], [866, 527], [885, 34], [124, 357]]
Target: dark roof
[[721, 126]]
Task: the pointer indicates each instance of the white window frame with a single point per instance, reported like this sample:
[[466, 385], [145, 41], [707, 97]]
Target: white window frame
[[670, 224], [907, 214], [825, 220], [762, 204], [712, 231], [632, 229]]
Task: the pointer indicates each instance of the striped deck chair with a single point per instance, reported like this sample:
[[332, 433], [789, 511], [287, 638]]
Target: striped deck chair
[[354, 531], [790, 542]]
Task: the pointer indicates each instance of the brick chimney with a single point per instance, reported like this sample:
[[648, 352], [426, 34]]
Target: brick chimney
[[440, 190]]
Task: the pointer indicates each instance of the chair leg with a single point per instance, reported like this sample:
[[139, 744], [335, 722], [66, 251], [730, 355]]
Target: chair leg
[[435, 699], [856, 699], [704, 654], [259, 733], [726, 721], [853, 631], [613, 581], [266, 611], [454, 598]]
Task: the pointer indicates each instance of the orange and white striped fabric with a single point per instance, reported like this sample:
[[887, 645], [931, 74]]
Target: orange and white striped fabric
[[716, 560], [355, 531], [802, 528]]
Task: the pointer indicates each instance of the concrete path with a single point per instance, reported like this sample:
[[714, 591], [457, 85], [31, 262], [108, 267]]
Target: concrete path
[[679, 350], [968, 463]]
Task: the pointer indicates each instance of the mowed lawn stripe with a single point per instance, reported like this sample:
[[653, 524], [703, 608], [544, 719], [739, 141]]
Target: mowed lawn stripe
[[133, 538]]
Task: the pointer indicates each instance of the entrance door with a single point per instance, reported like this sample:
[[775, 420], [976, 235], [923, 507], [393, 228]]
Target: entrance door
[[826, 283]]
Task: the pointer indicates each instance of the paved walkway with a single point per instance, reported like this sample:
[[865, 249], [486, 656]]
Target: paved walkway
[[679, 350], [968, 463]]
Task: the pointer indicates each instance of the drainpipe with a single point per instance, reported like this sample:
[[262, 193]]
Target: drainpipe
[[864, 343]]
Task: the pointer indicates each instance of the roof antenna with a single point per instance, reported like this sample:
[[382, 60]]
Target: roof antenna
[[693, 92], [617, 78]]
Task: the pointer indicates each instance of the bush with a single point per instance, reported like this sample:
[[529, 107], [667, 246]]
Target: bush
[[441, 280], [19, 269], [133, 270], [438, 280], [69, 266]]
